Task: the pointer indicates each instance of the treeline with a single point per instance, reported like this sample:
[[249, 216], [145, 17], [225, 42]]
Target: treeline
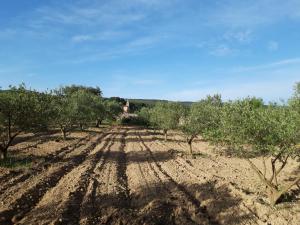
[[247, 127], [66, 108]]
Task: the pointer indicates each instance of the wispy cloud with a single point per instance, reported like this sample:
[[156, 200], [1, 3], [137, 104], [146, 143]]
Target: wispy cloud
[[273, 46], [103, 36], [280, 63], [223, 50], [82, 38], [234, 13], [7, 33], [113, 13], [146, 82], [129, 48], [272, 90], [244, 36]]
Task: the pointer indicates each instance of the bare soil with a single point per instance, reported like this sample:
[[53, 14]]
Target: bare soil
[[130, 175]]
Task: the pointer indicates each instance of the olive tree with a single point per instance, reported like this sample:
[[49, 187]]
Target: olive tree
[[88, 103], [98, 110], [201, 119], [267, 131], [21, 110], [82, 105], [145, 115], [63, 111], [166, 116], [294, 102], [76, 105], [69, 90], [112, 109]]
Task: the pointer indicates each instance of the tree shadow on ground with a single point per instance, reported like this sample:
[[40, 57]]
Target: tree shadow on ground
[[294, 194], [33, 137], [156, 204]]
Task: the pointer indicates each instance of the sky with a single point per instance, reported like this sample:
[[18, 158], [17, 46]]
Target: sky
[[154, 49]]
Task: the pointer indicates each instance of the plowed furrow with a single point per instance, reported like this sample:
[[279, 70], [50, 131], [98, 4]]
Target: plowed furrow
[[52, 158], [90, 210], [33, 195], [96, 201], [16, 184], [180, 187], [166, 197], [72, 208], [139, 180], [187, 169]]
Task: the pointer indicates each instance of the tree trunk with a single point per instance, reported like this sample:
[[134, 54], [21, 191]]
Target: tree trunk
[[63, 133], [4, 147], [191, 149], [166, 134], [190, 141], [81, 126], [98, 122], [9, 128], [3, 152], [274, 196], [274, 193]]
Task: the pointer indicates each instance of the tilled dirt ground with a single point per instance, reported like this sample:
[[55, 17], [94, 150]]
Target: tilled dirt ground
[[128, 175]]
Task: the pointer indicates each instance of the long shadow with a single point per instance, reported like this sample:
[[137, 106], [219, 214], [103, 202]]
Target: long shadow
[[160, 137], [33, 137], [140, 156], [137, 140], [164, 208]]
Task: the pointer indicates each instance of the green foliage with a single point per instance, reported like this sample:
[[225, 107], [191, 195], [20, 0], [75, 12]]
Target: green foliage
[[69, 90], [166, 116], [113, 109], [79, 106], [21, 110], [118, 100], [270, 131], [82, 104], [98, 110], [145, 115], [136, 121], [202, 118], [294, 102], [63, 111]]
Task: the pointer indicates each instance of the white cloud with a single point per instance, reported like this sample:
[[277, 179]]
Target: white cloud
[[223, 50], [102, 36], [82, 38], [239, 36], [273, 46]]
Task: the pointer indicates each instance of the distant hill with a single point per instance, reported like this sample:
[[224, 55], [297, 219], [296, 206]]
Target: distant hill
[[153, 101]]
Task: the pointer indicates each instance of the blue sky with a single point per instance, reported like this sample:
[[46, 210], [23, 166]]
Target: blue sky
[[163, 49]]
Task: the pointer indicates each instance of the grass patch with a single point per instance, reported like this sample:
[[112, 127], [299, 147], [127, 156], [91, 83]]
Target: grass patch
[[12, 162]]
